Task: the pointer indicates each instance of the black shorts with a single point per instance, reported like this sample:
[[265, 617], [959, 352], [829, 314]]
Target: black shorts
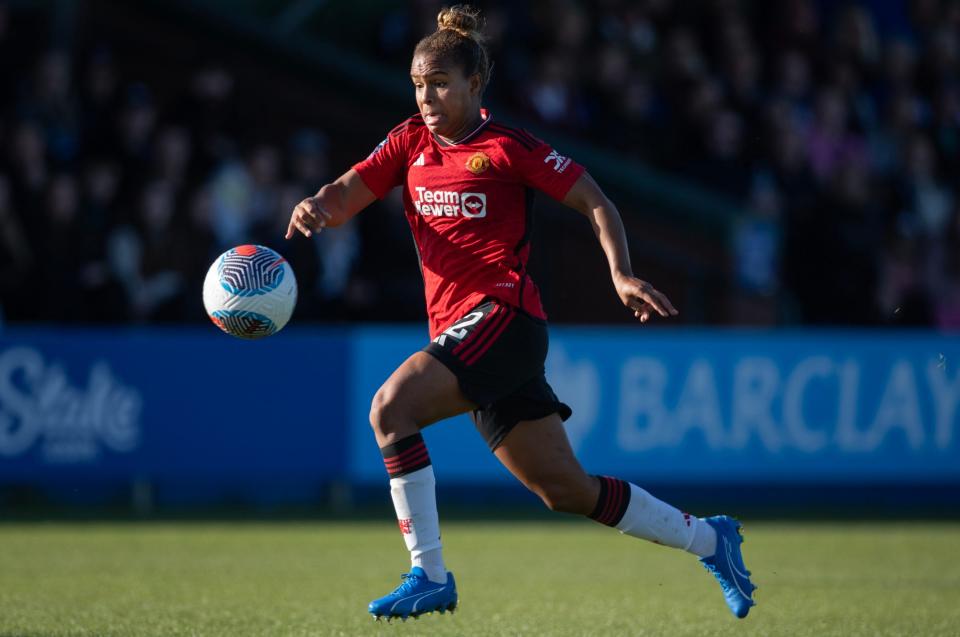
[[497, 353]]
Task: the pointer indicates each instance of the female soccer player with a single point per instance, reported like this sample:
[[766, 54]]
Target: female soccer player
[[468, 182]]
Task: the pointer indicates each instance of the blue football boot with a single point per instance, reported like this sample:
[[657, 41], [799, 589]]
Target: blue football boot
[[727, 565], [415, 596]]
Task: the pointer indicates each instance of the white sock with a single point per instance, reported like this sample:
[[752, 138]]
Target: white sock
[[415, 500], [651, 519], [704, 540], [432, 563]]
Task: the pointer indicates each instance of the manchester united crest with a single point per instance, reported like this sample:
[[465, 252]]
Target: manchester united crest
[[478, 163]]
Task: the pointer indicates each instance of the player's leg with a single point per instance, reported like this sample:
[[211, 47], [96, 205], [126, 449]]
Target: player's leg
[[538, 453], [420, 392]]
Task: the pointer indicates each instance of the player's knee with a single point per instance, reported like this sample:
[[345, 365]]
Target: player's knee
[[385, 412]]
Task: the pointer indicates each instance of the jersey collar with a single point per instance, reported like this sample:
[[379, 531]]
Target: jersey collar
[[486, 118]]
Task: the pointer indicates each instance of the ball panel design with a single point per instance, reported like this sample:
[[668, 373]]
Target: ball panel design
[[243, 324], [250, 270], [250, 292]]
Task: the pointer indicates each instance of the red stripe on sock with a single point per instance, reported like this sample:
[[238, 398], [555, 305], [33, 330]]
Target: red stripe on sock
[[623, 500], [406, 452], [394, 466], [616, 501], [481, 330], [406, 458], [605, 507], [609, 507], [622, 494], [618, 506], [474, 357]]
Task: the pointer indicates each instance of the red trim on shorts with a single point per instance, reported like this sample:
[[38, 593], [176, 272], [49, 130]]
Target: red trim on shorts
[[488, 331], [472, 358], [473, 336]]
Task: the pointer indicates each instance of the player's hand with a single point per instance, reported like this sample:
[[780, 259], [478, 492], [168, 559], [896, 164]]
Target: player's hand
[[643, 298], [308, 217]]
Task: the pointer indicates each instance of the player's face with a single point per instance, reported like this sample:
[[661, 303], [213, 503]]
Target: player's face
[[448, 100]]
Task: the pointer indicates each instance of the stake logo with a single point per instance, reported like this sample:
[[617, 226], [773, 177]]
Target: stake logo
[[41, 408]]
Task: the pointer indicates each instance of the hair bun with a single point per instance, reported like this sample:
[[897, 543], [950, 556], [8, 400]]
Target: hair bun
[[461, 18]]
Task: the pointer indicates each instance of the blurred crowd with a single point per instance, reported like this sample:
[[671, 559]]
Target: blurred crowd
[[114, 200], [835, 124]]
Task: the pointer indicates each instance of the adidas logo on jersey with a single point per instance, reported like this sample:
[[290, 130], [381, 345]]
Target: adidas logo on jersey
[[448, 203], [421, 161]]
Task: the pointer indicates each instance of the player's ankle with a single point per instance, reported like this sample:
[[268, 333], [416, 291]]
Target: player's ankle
[[432, 564], [704, 543]]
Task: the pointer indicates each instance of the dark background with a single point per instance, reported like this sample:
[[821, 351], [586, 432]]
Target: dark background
[[776, 163]]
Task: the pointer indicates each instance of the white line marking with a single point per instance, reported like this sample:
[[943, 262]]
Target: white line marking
[[726, 545]]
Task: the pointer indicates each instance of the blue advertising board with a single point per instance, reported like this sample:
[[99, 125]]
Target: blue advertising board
[[204, 417], [192, 408], [695, 407], [456, 449]]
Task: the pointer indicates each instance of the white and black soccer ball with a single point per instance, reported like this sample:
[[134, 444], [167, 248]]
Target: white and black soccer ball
[[250, 292]]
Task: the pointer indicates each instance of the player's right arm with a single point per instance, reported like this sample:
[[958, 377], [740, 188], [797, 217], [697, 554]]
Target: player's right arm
[[357, 188], [333, 205]]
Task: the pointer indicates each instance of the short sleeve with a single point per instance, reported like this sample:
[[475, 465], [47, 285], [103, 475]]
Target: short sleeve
[[541, 167], [386, 166]]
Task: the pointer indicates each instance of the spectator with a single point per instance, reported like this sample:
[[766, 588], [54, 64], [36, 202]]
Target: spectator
[[61, 258], [929, 203], [831, 144], [137, 122], [831, 125], [99, 101], [28, 169], [50, 103], [16, 259], [147, 257]]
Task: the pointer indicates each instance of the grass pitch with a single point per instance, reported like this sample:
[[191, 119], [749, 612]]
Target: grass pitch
[[529, 578]]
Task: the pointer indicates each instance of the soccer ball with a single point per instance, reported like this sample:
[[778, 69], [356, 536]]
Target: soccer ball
[[250, 292]]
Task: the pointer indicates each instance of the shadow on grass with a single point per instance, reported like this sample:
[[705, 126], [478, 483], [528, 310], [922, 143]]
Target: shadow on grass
[[789, 502], [55, 634]]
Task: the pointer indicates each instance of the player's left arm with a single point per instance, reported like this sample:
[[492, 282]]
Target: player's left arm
[[586, 197]]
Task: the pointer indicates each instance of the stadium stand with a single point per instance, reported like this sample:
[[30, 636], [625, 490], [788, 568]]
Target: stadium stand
[[131, 158]]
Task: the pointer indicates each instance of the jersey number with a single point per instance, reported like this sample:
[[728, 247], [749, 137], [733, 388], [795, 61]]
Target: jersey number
[[459, 330]]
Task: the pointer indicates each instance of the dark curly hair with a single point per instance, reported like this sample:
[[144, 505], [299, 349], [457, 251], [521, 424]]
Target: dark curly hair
[[459, 40]]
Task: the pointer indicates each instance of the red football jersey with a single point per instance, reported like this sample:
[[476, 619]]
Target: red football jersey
[[470, 206]]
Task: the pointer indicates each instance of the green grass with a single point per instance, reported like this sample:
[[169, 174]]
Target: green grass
[[530, 578]]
